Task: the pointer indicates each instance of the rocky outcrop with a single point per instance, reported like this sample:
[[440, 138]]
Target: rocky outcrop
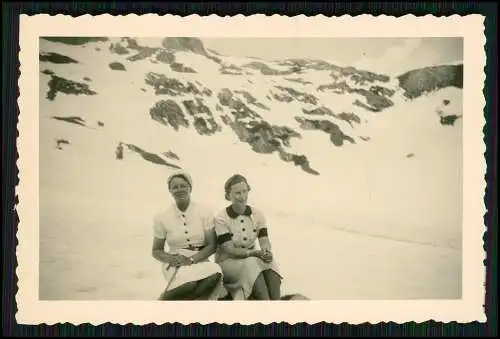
[[375, 102], [446, 115], [204, 122], [184, 44], [48, 72], [359, 77], [299, 96], [178, 67], [382, 91], [322, 110], [148, 156], [449, 119], [74, 40], [171, 155], [337, 137], [298, 160], [169, 113], [231, 69], [424, 80], [259, 134], [265, 69], [238, 109], [117, 66], [318, 65], [299, 80], [252, 100], [56, 58], [144, 53], [365, 106], [188, 44], [266, 138], [165, 57], [60, 142], [349, 118], [173, 86], [325, 111], [376, 96], [118, 48], [128, 45], [73, 120], [282, 97], [58, 84]]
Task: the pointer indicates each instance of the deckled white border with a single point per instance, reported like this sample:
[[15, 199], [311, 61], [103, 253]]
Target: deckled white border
[[32, 311]]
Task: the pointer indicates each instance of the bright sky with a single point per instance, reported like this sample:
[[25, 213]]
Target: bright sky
[[391, 56], [388, 55]]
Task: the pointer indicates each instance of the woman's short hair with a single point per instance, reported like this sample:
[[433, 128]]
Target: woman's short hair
[[233, 180]]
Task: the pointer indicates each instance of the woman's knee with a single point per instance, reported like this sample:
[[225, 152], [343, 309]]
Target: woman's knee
[[214, 278], [271, 272], [260, 290], [260, 281]]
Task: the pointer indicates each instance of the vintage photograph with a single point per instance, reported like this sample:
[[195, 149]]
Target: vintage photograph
[[341, 156], [241, 169]]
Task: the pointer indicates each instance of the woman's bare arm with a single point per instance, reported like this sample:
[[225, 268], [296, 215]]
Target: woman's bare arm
[[265, 243], [158, 251]]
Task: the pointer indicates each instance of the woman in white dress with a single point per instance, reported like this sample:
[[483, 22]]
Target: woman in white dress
[[187, 229], [248, 273]]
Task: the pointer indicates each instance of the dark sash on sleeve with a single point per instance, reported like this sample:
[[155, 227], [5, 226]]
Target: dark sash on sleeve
[[225, 237], [262, 233]]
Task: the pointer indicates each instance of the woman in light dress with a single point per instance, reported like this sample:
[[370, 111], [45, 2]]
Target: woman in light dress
[[187, 229], [249, 273]]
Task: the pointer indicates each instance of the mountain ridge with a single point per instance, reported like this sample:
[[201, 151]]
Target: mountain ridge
[[240, 109]]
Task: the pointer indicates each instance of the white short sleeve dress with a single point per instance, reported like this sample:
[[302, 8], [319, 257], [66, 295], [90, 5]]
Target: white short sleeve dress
[[184, 234], [243, 231]]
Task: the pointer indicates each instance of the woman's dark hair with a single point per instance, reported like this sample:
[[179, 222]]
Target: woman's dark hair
[[233, 180]]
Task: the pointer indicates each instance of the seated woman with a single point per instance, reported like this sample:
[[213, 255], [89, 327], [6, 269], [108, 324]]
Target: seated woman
[[248, 273], [188, 230]]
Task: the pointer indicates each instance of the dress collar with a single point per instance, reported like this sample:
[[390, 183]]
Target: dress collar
[[233, 215], [180, 213]]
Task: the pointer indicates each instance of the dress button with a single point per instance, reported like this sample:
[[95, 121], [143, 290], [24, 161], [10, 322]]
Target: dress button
[[185, 224], [186, 232], [243, 229], [242, 220], [188, 240], [254, 230], [245, 239]]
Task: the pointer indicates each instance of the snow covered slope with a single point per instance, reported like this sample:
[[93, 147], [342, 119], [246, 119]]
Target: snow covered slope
[[352, 168]]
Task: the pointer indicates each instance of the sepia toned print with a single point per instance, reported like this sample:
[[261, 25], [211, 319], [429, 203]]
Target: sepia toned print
[[361, 152]]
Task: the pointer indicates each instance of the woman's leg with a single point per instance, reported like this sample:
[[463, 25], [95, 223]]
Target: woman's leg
[[206, 286], [182, 292], [273, 283], [260, 291]]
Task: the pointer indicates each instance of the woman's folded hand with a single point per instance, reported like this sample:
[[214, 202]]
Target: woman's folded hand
[[266, 256], [179, 260]]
